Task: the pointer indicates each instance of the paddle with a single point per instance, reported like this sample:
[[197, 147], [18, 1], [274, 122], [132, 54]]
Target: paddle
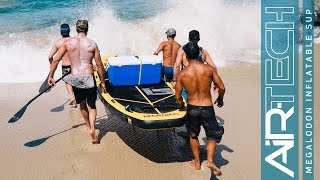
[[20, 113], [44, 86]]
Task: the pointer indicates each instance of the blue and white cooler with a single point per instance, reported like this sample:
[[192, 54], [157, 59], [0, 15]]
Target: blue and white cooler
[[131, 70]]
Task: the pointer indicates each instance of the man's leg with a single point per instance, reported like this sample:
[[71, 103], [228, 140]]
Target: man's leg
[[211, 148], [92, 119], [85, 114], [70, 92], [211, 126], [91, 101], [194, 142]]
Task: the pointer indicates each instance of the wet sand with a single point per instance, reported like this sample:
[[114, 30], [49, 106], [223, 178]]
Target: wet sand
[[50, 140]]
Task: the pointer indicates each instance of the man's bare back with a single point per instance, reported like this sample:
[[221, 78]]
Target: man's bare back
[[81, 51], [197, 78], [170, 50]]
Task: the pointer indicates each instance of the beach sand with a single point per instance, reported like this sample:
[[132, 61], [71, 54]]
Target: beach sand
[[50, 140]]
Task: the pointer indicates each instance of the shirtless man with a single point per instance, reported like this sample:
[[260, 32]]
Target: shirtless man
[[196, 78], [170, 50], [66, 67], [81, 51]]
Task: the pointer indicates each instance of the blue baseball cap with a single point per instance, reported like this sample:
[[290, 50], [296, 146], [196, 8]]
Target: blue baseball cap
[[64, 29]]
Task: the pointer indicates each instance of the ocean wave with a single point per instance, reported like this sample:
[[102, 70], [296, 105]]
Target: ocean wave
[[229, 31]]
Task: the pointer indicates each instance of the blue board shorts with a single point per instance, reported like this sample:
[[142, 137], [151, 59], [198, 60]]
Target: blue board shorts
[[167, 73], [184, 94]]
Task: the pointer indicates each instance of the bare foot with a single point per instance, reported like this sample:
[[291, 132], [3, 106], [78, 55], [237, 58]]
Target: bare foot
[[195, 165], [96, 142], [214, 169], [94, 137], [72, 102]]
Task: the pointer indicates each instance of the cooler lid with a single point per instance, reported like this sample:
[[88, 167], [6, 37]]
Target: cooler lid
[[150, 59], [123, 60]]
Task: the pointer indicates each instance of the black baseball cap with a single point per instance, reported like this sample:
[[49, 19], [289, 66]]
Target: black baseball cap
[[64, 29], [194, 35]]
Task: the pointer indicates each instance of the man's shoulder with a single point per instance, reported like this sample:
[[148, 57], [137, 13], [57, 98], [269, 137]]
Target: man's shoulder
[[185, 70], [91, 41], [181, 73], [63, 39], [60, 41], [70, 39], [180, 50], [209, 68], [164, 43], [177, 44], [70, 42], [203, 51]]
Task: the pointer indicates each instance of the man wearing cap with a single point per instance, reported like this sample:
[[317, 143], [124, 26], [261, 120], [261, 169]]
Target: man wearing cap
[[181, 60], [197, 79], [66, 67], [81, 50], [170, 50]]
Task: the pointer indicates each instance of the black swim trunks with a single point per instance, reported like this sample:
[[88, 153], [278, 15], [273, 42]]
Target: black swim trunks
[[86, 94], [205, 116], [65, 70]]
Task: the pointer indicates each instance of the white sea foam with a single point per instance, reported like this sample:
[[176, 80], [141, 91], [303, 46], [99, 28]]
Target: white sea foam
[[229, 31]]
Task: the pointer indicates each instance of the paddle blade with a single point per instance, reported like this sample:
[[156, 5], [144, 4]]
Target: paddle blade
[[45, 86], [36, 142], [19, 114]]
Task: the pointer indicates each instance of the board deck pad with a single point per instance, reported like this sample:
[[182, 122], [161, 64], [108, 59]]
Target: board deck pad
[[145, 98]]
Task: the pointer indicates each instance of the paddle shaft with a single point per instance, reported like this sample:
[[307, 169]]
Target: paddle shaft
[[47, 88]]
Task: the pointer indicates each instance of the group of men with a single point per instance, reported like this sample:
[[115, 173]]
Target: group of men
[[194, 82], [189, 68]]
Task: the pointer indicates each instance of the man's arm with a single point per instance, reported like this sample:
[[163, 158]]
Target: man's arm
[[218, 82], [100, 68], [178, 91], [53, 51], [54, 64], [207, 58], [177, 64], [160, 48]]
